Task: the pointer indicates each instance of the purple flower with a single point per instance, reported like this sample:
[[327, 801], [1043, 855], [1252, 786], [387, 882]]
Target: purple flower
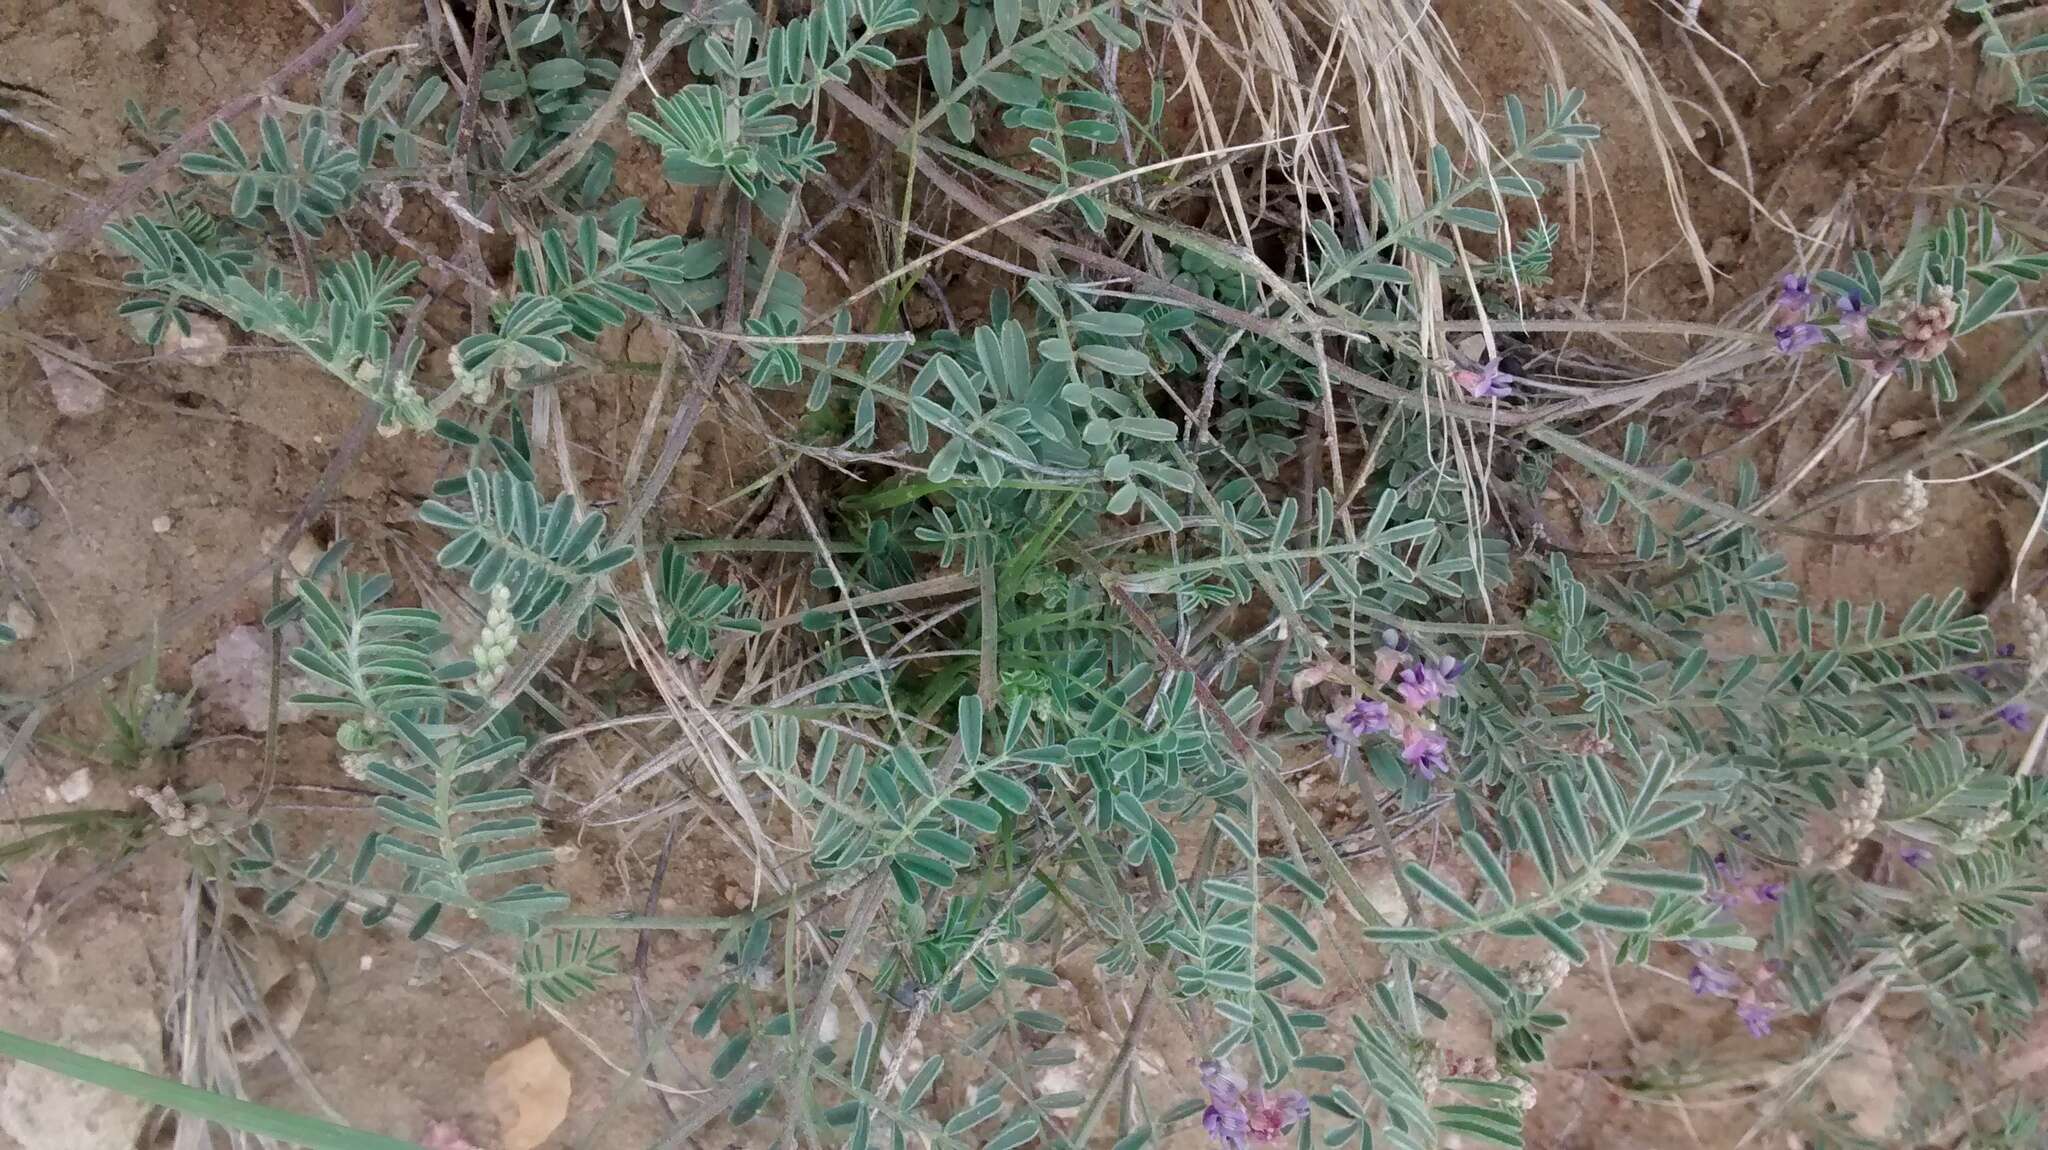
[[1236, 1117], [2016, 716], [1228, 1126], [1769, 892], [1915, 856], [1797, 337], [1426, 752], [1727, 890], [1757, 1016], [2007, 650], [1855, 314], [1484, 381], [1418, 687], [1366, 717], [1224, 1118], [1795, 296], [1447, 671], [1944, 712], [1269, 1118], [1425, 683], [1223, 1085], [1715, 980]]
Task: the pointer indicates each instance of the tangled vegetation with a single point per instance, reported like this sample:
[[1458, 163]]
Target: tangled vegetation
[[1187, 513]]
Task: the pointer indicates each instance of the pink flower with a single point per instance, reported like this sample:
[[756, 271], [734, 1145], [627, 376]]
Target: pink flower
[[1390, 658], [1483, 381], [1269, 1118], [447, 1136], [1426, 752], [1236, 1117], [1425, 683], [1366, 717]]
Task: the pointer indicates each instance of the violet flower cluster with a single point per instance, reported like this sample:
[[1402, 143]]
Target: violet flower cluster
[[1711, 981], [1789, 326], [1483, 380], [1924, 329], [1419, 685], [1734, 887], [2014, 713], [1238, 1116]]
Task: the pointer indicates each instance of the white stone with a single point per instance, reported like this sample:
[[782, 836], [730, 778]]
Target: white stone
[[235, 677], [205, 347], [44, 1110], [161, 525], [1061, 1079], [76, 787], [72, 388], [21, 620], [1384, 892]]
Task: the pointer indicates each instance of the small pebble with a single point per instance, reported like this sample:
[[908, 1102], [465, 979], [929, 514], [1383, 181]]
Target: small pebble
[[161, 524], [21, 620], [24, 516], [76, 787], [20, 484]]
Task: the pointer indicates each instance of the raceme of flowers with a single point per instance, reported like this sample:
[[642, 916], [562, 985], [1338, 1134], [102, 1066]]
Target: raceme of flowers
[[1238, 1116], [1735, 887], [1749, 996], [1924, 329], [1419, 685]]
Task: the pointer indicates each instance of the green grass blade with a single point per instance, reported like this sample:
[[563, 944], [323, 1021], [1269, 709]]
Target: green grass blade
[[298, 1130]]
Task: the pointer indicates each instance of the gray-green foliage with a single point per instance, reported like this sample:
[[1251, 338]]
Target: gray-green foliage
[[2030, 88], [1158, 608]]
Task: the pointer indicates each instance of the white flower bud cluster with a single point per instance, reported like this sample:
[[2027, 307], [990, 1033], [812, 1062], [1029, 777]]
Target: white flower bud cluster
[[1856, 821], [180, 819], [1541, 976], [1427, 1059], [406, 408], [1974, 832], [1910, 511], [475, 386], [2034, 629], [495, 645]]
